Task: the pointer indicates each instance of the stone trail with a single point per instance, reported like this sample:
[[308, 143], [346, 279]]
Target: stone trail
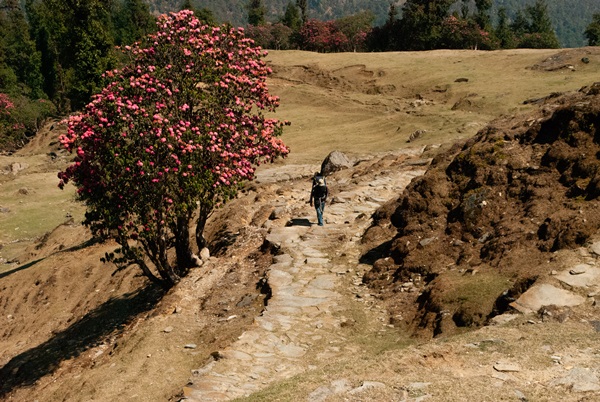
[[300, 325]]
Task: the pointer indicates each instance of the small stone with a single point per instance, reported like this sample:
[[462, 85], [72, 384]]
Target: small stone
[[502, 376], [579, 380], [520, 395], [277, 213], [595, 248], [204, 254], [578, 270], [596, 325], [503, 319], [168, 330], [197, 260], [427, 241], [247, 300], [507, 367], [190, 346]]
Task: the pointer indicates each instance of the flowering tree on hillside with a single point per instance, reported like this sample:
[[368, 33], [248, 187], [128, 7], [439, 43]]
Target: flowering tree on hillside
[[6, 107], [461, 33], [20, 118], [322, 36], [170, 137]]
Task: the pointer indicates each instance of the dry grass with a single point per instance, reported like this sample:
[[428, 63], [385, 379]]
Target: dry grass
[[371, 102]]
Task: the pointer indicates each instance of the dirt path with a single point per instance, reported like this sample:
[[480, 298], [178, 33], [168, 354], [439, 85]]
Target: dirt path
[[300, 327]]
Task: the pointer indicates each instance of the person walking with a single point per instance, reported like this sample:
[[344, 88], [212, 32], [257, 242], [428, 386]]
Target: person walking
[[318, 194]]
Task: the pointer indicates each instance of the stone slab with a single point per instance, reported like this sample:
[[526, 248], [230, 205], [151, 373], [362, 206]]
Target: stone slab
[[545, 294], [581, 276]]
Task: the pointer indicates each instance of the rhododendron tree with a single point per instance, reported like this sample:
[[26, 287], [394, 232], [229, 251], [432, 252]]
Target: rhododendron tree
[[171, 136], [322, 36]]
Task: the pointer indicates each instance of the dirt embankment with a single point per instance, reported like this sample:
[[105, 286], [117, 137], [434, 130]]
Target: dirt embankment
[[483, 223]]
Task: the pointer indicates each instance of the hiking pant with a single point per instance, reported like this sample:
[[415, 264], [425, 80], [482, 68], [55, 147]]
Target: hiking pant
[[320, 207]]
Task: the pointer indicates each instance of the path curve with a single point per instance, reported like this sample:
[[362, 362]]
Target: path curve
[[300, 325]]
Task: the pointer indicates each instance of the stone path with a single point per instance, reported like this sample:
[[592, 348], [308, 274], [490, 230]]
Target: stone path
[[300, 325]]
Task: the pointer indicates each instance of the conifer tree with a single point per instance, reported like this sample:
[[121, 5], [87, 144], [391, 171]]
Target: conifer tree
[[303, 5], [540, 33], [133, 21], [592, 32], [75, 45], [291, 18], [503, 32], [256, 13], [18, 55], [482, 16], [421, 23]]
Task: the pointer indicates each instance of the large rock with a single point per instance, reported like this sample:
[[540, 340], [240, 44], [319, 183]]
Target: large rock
[[335, 161], [543, 295]]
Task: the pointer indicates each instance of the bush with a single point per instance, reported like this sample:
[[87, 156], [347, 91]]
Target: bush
[[20, 119]]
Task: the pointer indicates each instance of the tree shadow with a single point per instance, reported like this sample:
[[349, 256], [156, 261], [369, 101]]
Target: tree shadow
[[81, 246], [21, 268], [110, 318]]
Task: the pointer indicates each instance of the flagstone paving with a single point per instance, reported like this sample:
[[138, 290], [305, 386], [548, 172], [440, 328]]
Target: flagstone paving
[[300, 325]]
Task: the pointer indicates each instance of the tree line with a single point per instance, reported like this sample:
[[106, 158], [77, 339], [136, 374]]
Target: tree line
[[53, 54], [418, 25], [569, 18]]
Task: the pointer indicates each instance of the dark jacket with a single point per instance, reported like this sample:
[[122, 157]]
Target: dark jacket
[[319, 190]]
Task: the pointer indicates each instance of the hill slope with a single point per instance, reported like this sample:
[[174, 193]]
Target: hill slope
[[73, 329], [499, 207]]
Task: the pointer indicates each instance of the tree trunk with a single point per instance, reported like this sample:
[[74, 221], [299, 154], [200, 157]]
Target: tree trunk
[[183, 249], [200, 224]]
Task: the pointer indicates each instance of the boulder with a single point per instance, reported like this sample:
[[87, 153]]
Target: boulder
[[335, 161], [204, 254]]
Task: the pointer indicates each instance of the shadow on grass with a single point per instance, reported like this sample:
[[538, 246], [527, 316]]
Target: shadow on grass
[[110, 318]]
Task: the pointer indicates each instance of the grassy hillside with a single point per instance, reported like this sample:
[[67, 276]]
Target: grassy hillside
[[365, 103], [100, 336]]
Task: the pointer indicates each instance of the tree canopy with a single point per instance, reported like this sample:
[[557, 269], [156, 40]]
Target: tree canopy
[[169, 137], [592, 32]]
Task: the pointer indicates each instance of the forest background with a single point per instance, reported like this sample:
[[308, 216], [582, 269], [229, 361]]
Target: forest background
[[53, 53]]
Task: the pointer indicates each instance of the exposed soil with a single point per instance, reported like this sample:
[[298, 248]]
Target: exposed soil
[[487, 218]]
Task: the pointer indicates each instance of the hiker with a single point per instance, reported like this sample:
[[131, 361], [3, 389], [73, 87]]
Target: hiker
[[318, 193]]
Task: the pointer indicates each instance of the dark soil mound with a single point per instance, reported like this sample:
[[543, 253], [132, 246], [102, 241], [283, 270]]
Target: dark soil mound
[[482, 224]]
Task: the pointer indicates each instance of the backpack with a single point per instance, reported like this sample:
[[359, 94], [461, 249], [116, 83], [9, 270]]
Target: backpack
[[319, 187]]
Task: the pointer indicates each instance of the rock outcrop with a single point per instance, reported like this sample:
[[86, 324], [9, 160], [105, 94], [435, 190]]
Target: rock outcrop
[[521, 190]]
